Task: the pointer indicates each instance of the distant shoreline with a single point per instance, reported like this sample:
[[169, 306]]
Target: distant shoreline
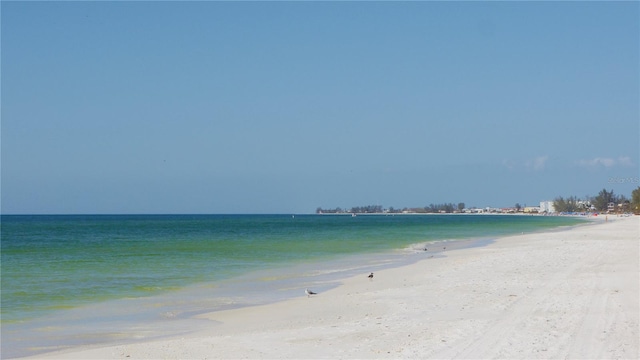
[[469, 214]]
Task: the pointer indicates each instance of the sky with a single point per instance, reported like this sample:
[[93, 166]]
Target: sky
[[284, 107]]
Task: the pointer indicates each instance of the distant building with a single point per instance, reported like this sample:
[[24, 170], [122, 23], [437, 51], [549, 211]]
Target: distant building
[[547, 207]]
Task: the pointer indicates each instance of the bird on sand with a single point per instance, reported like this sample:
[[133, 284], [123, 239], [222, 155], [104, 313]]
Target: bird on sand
[[370, 276], [309, 292]]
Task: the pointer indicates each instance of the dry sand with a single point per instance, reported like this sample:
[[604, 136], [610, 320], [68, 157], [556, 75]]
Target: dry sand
[[555, 295]]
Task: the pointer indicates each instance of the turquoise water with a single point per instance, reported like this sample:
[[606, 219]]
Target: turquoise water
[[53, 265]]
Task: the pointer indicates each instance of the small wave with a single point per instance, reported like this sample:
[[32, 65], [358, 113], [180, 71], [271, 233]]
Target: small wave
[[339, 270]]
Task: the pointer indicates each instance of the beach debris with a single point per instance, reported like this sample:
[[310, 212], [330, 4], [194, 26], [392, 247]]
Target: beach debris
[[309, 292]]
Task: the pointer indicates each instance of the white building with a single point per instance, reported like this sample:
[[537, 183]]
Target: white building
[[547, 207]]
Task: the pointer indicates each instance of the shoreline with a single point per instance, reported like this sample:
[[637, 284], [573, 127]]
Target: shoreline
[[169, 313], [473, 302], [178, 316]]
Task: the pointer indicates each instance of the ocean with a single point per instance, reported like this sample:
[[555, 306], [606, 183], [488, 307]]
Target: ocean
[[72, 280]]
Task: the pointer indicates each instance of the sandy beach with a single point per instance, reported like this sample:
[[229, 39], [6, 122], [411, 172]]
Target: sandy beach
[[570, 294]]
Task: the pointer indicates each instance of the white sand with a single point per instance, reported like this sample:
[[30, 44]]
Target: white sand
[[566, 294]]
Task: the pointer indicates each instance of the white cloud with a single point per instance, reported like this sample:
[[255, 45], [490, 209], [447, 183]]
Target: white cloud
[[625, 161], [509, 164], [538, 163], [535, 164], [606, 162]]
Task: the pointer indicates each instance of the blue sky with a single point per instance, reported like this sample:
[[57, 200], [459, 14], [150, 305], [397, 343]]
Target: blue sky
[[283, 107]]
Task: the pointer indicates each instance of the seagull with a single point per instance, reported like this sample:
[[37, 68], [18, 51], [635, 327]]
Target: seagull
[[309, 292], [370, 276]]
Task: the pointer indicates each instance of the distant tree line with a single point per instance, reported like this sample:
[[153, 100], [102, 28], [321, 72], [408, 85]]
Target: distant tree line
[[368, 209], [377, 209], [635, 201], [600, 202], [447, 208], [571, 204]]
